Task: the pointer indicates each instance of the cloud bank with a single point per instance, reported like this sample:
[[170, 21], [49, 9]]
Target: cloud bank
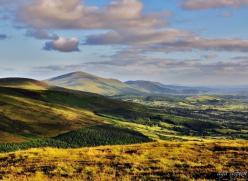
[[75, 14], [41, 34], [207, 4], [125, 23]]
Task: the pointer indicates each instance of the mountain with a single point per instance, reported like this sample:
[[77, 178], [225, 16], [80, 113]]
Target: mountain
[[150, 87], [90, 83]]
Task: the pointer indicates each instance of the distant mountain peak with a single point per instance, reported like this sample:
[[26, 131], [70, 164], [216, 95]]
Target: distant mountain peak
[[90, 83], [77, 74], [87, 82], [80, 73]]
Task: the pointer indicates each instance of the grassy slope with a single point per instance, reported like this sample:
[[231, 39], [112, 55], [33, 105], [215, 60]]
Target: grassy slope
[[31, 117], [23, 83], [35, 112], [151, 161]]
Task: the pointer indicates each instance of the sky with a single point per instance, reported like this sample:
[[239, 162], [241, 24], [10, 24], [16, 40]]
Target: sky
[[186, 42]]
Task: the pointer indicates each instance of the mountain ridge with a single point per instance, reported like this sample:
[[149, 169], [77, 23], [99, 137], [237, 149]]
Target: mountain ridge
[[83, 81], [86, 82]]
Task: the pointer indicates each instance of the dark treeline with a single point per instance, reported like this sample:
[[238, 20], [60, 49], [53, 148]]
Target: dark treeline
[[86, 137]]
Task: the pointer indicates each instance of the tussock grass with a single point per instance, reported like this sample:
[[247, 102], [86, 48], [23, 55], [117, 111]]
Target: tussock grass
[[151, 161]]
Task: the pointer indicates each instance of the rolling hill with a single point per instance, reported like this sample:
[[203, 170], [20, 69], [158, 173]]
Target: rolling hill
[[90, 83], [23, 83], [150, 87], [31, 109]]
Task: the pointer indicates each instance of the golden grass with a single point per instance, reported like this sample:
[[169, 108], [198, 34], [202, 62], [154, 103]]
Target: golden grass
[[27, 85], [152, 161]]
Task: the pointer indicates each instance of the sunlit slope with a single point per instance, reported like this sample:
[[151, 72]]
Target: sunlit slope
[[89, 83], [30, 117], [28, 113], [194, 160], [24, 83]]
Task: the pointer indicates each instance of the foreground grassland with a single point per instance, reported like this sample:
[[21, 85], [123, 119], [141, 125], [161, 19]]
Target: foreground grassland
[[150, 161]]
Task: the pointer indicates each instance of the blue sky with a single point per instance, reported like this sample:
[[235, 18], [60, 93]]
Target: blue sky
[[189, 42]]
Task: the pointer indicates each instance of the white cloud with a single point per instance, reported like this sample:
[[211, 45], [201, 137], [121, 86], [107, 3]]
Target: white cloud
[[63, 44]]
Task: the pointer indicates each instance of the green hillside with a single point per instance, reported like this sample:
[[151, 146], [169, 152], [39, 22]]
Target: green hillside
[[33, 112], [90, 83], [28, 116]]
